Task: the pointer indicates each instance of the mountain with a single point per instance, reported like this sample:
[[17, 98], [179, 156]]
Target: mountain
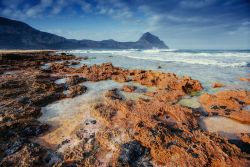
[[18, 35]]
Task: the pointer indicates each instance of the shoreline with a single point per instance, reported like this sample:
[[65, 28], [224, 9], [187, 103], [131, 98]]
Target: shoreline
[[25, 50], [158, 127]]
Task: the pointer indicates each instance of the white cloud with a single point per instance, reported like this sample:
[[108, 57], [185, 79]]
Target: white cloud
[[116, 9], [38, 9], [20, 9], [194, 4]]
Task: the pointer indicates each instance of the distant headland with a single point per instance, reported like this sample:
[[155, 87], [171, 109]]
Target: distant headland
[[19, 35]]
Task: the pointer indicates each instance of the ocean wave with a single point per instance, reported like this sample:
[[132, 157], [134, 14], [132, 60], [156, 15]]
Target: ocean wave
[[158, 50], [167, 52], [103, 51], [223, 59], [194, 61]]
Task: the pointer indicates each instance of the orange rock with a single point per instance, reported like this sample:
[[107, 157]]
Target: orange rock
[[120, 78], [165, 80], [217, 85], [170, 132], [245, 79], [128, 88], [228, 103], [245, 138]]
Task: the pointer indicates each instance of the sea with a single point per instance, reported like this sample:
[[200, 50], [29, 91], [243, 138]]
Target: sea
[[207, 66]]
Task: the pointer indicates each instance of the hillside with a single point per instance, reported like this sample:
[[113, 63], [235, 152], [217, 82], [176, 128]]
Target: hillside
[[18, 35]]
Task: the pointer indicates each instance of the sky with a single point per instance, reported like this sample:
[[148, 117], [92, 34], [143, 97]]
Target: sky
[[182, 24]]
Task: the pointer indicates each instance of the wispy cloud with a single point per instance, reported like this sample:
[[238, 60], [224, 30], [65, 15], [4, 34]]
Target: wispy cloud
[[21, 9], [38, 9]]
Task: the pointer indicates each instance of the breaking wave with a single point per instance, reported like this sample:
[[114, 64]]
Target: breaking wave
[[215, 58]]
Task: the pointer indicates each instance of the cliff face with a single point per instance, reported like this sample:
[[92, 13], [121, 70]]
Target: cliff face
[[19, 35]]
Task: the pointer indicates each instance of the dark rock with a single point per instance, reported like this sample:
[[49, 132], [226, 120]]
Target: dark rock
[[11, 84], [46, 99], [134, 154], [93, 121], [245, 147], [24, 100], [113, 94], [74, 63], [85, 58], [28, 155], [15, 146], [76, 90], [73, 80], [105, 112], [34, 129], [65, 141]]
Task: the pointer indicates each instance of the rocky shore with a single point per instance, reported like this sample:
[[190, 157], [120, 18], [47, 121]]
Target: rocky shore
[[152, 129]]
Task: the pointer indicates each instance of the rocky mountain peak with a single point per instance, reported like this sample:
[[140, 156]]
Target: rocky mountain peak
[[152, 39]]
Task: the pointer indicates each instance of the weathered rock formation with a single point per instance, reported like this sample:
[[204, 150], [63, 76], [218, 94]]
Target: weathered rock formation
[[229, 104]]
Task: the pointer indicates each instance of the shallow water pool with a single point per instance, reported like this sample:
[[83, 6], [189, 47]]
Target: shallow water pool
[[225, 127]]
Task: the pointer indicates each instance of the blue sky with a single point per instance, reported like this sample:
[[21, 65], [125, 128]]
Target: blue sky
[[185, 24]]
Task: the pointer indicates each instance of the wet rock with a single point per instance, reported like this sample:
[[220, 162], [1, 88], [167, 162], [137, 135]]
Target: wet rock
[[245, 79], [244, 146], [228, 103], [15, 146], [103, 72], [93, 121], [120, 78], [128, 88], [11, 84], [57, 67], [113, 94], [41, 77], [83, 154], [29, 155], [134, 154], [44, 99], [165, 80], [76, 90], [85, 57], [217, 85], [74, 62], [24, 100], [105, 112], [73, 80], [34, 129], [245, 137], [150, 94], [21, 96], [52, 159]]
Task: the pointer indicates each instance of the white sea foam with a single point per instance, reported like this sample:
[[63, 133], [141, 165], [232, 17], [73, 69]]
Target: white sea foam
[[219, 58], [191, 60]]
